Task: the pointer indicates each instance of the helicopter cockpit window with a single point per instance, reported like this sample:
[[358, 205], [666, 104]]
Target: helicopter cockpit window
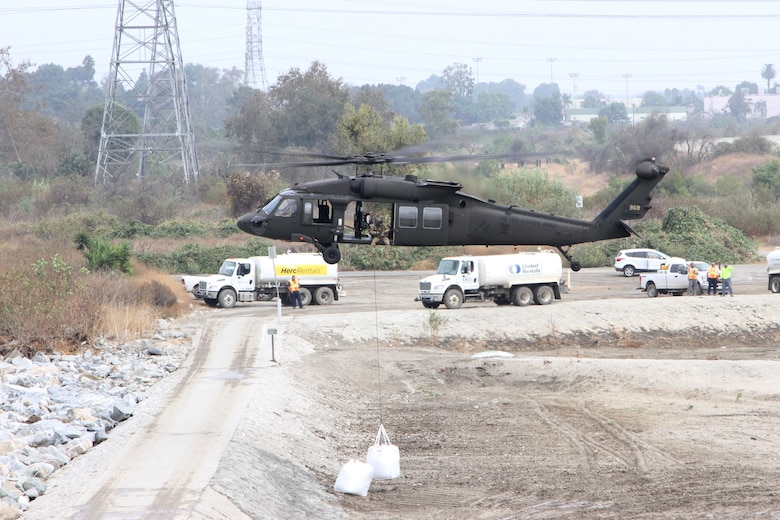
[[432, 218], [269, 208], [287, 208], [449, 267], [407, 217]]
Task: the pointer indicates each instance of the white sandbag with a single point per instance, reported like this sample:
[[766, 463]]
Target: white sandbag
[[354, 478], [384, 457]]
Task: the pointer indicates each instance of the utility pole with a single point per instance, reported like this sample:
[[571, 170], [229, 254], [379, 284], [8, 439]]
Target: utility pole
[[254, 67], [146, 77]]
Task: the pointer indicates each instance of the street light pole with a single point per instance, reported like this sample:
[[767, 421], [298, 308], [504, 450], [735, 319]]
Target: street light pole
[[477, 60], [627, 76], [574, 76], [551, 60]]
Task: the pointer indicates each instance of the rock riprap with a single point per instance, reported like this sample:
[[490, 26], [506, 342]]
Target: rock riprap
[[55, 407]]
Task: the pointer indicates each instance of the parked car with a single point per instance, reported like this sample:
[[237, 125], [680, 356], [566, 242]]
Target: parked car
[[632, 261]]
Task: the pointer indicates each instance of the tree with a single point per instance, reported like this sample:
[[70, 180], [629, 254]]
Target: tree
[[767, 177], [548, 111], [748, 88], [654, 99], [436, 114], [738, 105], [403, 101], [459, 80], [210, 90], [301, 109], [768, 73], [364, 130], [592, 99], [29, 141], [306, 106], [615, 112], [721, 90]]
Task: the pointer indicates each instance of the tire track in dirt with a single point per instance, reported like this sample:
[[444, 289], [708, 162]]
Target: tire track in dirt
[[594, 435]]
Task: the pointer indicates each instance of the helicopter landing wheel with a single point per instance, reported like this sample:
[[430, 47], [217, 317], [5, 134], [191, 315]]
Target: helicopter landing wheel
[[575, 266], [331, 255]]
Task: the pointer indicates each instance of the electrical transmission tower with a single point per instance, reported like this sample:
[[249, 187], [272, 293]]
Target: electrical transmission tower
[[146, 83], [254, 73]]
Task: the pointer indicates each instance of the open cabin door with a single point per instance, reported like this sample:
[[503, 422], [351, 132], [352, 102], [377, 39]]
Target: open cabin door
[[420, 224]]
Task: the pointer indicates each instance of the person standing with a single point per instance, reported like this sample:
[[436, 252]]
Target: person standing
[[693, 279], [379, 233], [713, 273], [295, 293], [725, 275]]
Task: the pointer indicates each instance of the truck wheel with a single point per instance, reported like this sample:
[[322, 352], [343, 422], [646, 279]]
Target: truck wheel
[[522, 296], [652, 291], [323, 296], [285, 299], [211, 302], [628, 271], [774, 284], [227, 298], [430, 305], [544, 295], [453, 299], [305, 296]]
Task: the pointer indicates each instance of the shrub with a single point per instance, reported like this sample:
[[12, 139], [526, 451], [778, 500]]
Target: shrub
[[52, 305]]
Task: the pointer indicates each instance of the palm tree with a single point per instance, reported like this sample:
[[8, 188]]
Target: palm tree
[[768, 73]]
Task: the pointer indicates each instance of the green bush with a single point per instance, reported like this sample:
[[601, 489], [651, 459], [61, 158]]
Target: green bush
[[196, 259]]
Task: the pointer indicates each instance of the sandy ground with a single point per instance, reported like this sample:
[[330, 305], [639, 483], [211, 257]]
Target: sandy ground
[[618, 407]]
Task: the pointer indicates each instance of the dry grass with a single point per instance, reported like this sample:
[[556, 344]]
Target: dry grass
[[125, 321]]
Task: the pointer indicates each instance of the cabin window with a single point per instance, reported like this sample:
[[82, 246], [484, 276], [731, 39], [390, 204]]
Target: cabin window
[[323, 212], [308, 210], [432, 218], [407, 216], [287, 208]]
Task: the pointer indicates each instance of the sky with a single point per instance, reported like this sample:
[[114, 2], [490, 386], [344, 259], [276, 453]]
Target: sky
[[621, 48]]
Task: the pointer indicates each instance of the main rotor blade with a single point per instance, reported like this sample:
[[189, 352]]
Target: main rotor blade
[[391, 159]]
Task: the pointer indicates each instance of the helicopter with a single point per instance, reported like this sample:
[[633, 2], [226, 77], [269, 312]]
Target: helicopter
[[424, 212]]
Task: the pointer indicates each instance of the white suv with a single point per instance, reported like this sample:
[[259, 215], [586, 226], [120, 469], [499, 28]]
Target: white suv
[[631, 261]]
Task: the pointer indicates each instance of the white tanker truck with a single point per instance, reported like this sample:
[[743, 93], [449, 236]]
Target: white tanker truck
[[259, 278], [518, 278], [773, 270]]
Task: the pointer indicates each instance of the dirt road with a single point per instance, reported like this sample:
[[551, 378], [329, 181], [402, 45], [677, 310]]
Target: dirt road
[[607, 404]]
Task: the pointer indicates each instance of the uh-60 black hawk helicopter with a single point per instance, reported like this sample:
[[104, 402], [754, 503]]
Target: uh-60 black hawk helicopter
[[330, 212]]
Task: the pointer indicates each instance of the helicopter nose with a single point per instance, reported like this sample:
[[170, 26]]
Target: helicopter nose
[[251, 223]]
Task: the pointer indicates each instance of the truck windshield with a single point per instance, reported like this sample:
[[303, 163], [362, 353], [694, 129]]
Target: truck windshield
[[227, 268], [448, 267]]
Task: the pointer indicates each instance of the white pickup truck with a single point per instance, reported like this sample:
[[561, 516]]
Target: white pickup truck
[[673, 279]]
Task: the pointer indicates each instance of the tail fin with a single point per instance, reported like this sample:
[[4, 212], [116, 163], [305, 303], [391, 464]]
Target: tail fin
[[633, 203]]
